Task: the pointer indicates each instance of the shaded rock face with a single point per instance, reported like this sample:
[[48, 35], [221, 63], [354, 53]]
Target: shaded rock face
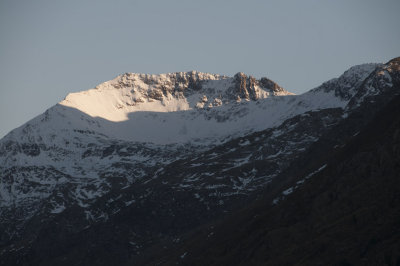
[[270, 85]]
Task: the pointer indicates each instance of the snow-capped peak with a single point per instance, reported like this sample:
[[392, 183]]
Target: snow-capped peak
[[346, 85], [189, 106], [115, 99]]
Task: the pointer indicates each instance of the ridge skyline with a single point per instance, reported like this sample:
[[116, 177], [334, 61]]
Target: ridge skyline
[[46, 54], [202, 76]]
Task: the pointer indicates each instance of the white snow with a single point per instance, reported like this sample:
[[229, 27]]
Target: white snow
[[298, 183], [287, 191], [244, 143], [115, 111], [316, 171], [129, 202], [58, 209]]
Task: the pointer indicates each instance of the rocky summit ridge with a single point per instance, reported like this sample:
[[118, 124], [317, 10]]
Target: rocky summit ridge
[[171, 92]]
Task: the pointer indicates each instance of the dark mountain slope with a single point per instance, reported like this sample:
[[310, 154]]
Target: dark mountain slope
[[346, 214], [162, 213]]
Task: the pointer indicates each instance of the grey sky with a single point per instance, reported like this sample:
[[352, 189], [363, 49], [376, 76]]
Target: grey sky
[[51, 48]]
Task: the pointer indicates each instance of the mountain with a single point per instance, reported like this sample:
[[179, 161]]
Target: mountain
[[345, 212], [111, 174]]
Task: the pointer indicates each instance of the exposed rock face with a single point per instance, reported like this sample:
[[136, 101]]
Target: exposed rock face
[[183, 84], [241, 85], [249, 88], [163, 85], [270, 85]]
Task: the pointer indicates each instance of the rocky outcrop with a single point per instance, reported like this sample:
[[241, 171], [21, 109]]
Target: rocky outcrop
[[271, 85], [249, 88], [163, 85], [241, 86], [143, 87]]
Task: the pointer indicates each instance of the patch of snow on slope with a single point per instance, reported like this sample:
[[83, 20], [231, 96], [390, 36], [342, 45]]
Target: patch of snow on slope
[[298, 183]]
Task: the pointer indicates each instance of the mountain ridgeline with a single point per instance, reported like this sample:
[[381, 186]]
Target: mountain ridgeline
[[201, 169]]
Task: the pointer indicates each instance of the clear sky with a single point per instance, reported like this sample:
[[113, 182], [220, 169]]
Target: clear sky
[[50, 48]]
